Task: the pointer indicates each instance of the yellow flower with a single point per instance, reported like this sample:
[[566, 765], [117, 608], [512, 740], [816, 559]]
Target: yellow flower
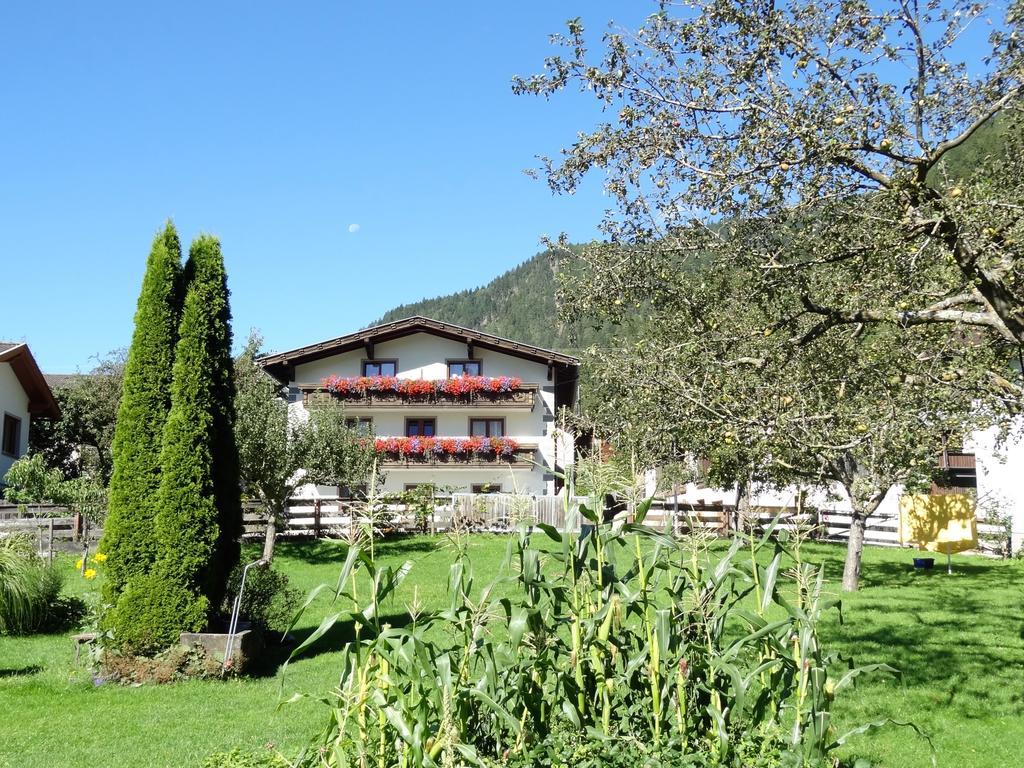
[[90, 573], [100, 557], [78, 563]]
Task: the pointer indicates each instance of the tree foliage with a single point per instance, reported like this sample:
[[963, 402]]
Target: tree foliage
[[281, 448], [129, 534], [827, 295], [827, 123], [715, 376], [80, 441], [199, 516]]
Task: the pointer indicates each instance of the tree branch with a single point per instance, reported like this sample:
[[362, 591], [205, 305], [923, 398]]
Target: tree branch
[[988, 114], [836, 317]]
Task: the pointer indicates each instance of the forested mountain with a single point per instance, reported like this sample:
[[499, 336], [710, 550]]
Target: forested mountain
[[519, 304]]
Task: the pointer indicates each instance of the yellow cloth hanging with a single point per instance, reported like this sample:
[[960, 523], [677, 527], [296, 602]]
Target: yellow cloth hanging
[[943, 524]]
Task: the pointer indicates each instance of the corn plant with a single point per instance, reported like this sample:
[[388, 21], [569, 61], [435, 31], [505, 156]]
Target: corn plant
[[621, 639]]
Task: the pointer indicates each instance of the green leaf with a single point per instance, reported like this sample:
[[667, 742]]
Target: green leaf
[[771, 573]]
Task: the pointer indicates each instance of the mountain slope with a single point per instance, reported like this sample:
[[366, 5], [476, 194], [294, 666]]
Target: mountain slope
[[519, 305]]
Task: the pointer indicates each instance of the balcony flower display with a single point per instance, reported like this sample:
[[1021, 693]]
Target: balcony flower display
[[447, 447], [361, 386]]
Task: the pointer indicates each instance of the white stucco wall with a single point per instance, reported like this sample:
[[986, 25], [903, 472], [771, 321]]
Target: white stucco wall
[[1000, 469], [14, 401], [425, 356]]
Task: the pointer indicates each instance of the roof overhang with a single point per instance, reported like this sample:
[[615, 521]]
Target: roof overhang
[[41, 401], [279, 364]]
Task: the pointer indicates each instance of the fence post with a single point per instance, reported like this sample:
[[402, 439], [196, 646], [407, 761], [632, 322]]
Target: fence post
[[316, 519], [49, 543]]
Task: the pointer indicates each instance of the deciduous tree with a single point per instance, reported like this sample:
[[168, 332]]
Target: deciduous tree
[[716, 375], [281, 449], [830, 122], [80, 441]]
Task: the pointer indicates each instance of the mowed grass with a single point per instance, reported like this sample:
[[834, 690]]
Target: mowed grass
[[958, 640]]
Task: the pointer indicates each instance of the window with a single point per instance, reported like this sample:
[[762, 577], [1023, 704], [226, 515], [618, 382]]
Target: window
[[464, 368], [362, 425], [12, 435], [485, 488], [420, 427], [380, 367], [487, 427]]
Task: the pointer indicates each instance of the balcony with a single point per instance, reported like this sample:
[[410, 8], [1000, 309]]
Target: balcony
[[407, 453], [522, 398]]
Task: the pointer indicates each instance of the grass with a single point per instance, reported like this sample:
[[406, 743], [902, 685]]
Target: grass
[[958, 640]]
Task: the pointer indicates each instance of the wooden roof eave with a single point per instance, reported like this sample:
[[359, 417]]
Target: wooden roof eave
[[41, 401], [279, 364]]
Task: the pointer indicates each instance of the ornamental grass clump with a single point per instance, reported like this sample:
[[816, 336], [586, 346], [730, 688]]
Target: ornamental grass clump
[[29, 588], [624, 646]]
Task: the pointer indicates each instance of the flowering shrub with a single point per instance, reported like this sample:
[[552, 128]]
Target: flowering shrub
[[424, 447], [460, 385]]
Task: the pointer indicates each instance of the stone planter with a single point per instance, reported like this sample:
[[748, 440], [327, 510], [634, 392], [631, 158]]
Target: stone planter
[[247, 645]]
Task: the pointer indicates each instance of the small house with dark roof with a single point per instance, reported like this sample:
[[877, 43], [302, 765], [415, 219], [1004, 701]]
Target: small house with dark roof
[[24, 395], [445, 405]]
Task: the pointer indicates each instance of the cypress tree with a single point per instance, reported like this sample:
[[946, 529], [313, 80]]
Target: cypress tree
[[200, 508], [129, 538]]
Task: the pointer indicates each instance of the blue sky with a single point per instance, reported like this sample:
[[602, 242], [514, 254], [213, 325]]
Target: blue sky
[[275, 126]]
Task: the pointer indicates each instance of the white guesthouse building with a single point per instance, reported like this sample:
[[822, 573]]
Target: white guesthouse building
[[24, 394], [447, 405]]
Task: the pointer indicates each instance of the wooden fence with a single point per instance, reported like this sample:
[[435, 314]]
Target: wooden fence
[[53, 528], [472, 512], [882, 528]]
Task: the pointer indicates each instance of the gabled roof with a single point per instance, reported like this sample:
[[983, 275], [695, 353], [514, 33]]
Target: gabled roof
[[40, 398], [278, 363]]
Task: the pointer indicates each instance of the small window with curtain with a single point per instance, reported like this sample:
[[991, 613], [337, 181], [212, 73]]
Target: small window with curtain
[[420, 427], [485, 488], [487, 427], [380, 367], [11, 435], [464, 368]]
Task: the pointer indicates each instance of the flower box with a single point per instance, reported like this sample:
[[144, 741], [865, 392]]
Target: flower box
[[461, 389]]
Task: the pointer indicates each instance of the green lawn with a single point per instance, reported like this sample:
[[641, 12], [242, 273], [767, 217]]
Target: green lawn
[[958, 640]]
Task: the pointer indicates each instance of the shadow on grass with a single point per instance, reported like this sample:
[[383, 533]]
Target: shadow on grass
[[333, 640], [328, 551], [26, 671], [956, 638]]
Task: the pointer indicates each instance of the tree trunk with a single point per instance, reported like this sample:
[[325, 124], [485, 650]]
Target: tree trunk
[[851, 571], [743, 517], [861, 509], [269, 538]]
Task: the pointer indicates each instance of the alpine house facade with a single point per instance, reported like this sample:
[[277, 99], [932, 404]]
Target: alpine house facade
[[447, 405]]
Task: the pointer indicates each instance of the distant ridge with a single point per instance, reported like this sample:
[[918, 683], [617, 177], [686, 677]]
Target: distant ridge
[[518, 305]]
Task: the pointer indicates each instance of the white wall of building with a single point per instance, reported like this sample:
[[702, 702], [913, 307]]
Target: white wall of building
[[425, 356], [14, 401], [1000, 469]]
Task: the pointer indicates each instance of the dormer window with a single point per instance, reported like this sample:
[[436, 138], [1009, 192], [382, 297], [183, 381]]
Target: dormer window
[[380, 367], [464, 368]]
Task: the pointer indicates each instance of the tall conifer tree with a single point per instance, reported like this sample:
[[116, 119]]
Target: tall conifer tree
[[200, 507], [129, 537]]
